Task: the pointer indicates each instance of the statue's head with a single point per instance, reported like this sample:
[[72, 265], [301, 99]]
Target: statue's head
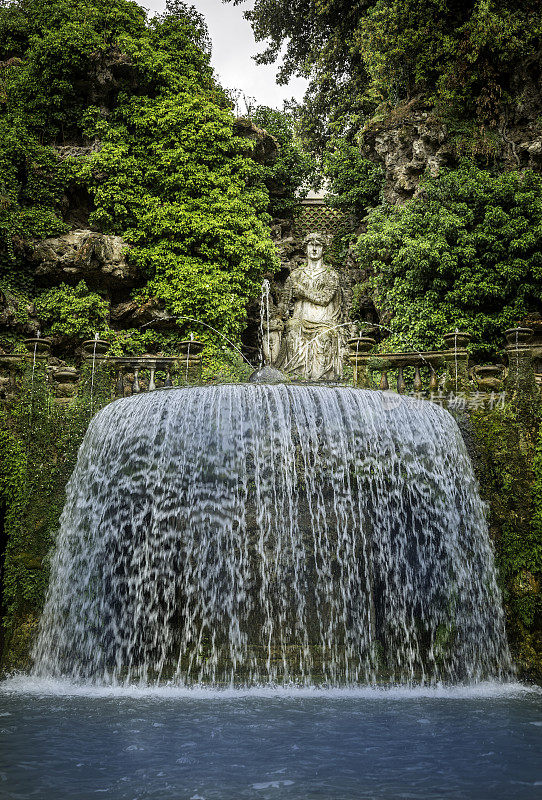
[[314, 244]]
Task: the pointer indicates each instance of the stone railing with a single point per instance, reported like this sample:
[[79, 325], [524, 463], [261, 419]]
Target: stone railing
[[451, 370], [431, 370], [428, 373], [134, 375], [130, 374], [11, 367]]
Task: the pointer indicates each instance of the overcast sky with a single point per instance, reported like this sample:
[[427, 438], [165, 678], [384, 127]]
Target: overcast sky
[[233, 48]]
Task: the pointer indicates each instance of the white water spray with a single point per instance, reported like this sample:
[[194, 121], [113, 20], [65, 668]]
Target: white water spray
[[265, 333], [264, 534]]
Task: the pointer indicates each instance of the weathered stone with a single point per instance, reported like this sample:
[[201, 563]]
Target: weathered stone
[[408, 143], [112, 71], [65, 151], [410, 140], [266, 147], [307, 337], [151, 314], [291, 252], [65, 380], [98, 259], [489, 377]]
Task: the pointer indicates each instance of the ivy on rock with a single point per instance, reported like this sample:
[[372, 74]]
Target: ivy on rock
[[153, 144]]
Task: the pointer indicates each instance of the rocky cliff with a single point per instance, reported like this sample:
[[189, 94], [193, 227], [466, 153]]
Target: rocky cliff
[[416, 138]]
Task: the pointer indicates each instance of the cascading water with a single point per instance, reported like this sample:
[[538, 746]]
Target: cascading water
[[259, 534]]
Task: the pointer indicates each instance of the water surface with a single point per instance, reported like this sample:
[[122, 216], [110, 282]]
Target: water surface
[[59, 742]]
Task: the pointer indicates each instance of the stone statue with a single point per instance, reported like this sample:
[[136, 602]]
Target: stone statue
[[310, 309]]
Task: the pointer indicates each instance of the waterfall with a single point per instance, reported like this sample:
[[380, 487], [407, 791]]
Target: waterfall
[[261, 534]]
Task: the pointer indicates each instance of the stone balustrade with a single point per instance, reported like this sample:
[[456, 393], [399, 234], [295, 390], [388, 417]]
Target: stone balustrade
[[430, 371], [130, 374], [426, 373], [449, 370], [134, 375]]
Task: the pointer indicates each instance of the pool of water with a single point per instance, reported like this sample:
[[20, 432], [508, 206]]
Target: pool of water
[[60, 742]]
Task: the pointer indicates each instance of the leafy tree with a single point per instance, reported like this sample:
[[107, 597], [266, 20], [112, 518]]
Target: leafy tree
[[356, 182], [166, 171], [294, 169], [468, 254], [316, 40], [363, 53]]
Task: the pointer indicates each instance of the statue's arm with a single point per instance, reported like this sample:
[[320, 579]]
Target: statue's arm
[[320, 297]]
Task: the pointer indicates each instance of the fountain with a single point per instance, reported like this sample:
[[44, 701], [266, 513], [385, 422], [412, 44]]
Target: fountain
[[257, 534], [94, 349]]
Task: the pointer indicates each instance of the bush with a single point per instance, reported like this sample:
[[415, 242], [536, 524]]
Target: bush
[[467, 254], [72, 311], [355, 181]]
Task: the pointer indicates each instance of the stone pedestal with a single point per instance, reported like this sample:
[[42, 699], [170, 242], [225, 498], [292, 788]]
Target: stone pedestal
[[65, 384], [456, 361]]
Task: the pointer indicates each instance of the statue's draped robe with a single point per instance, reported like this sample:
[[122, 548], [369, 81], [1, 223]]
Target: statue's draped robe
[[312, 342]]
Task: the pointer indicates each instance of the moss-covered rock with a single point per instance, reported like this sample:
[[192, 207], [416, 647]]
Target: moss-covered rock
[[509, 468]]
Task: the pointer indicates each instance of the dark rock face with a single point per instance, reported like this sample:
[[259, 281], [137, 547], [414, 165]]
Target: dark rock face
[[266, 148], [112, 72], [522, 128], [98, 259], [133, 315]]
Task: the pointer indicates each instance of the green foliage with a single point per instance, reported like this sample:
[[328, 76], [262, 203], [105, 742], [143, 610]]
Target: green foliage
[[359, 54], [31, 180], [509, 466], [39, 441], [134, 342], [317, 40], [355, 181], [294, 169], [221, 364], [167, 171], [172, 177], [71, 311], [467, 254]]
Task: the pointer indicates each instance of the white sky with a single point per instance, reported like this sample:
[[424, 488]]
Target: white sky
[[233, 48]]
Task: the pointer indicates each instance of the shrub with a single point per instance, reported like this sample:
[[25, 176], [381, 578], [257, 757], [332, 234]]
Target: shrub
[[467, 254]]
